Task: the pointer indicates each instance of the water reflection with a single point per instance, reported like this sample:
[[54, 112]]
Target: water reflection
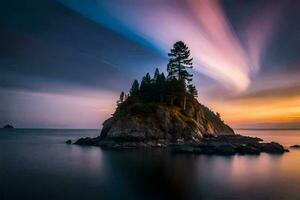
[[43, 167]]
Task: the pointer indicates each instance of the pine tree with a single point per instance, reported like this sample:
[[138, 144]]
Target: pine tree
[[156, 74], [179, 62], [146, 87], [121, 99], [122, 95], [160, 87], [192, 90], [146, 81], [134, 91]]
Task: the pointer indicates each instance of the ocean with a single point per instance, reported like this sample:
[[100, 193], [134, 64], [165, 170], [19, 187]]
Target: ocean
[[37, 164]]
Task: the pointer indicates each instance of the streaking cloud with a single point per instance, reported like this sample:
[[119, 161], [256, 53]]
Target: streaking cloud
[[258, 32], [203, 25]]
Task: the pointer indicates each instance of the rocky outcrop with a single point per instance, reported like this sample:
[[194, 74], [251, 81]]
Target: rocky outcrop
[[295, 146], [8, 126], [197, 130], [212, 145], [69, 142], [164, 122]]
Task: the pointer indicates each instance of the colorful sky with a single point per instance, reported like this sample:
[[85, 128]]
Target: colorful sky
[[63, 63]]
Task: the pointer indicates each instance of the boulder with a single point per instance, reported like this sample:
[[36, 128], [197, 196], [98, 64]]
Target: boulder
[[69, 142], [295, 146], [272, 147]]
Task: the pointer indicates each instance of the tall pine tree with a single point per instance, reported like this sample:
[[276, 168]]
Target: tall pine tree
[[134, 91], [146, 87], [156, 74], [179, 62]]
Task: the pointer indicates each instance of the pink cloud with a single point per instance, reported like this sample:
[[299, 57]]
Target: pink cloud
[[259, 30], [202, 24]]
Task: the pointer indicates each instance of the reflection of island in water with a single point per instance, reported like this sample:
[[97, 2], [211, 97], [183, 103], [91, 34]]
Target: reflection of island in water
[[8, 126], [75, 172], [163, 111]]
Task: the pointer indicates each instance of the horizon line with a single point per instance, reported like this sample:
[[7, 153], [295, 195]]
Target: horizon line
[[246, 128]]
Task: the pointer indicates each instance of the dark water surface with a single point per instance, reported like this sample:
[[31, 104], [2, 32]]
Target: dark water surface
[[37, 164]]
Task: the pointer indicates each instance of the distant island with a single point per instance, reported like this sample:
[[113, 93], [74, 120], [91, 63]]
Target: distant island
[[162, 111], [8, 126]]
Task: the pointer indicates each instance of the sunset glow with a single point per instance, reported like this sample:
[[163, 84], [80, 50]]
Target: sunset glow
[[246, 58]]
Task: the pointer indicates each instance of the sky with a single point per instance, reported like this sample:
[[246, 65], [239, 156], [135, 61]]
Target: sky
[[63, 63]]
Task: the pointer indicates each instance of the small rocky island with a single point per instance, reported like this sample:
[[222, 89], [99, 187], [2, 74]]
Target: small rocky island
[[163, 112], [8, 126]]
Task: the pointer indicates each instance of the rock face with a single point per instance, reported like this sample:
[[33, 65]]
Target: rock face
[[197, 130], [155, 121]]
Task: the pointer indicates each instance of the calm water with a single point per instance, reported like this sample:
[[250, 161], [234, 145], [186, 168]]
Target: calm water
[[36, 164]]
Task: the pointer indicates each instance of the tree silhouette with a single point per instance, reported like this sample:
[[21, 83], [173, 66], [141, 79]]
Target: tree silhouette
[[173, 89], [146, 88], [121, 99], [156, 74], [179, 62], [134, 91], [161, 87], [192, 90]]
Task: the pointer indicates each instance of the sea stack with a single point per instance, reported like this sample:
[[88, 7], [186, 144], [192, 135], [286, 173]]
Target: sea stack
[[140, 120]]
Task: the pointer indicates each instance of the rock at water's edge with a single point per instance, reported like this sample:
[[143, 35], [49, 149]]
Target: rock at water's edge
[[295, 146], [220, 145], [69, 142], [8, 126], [273, 147]]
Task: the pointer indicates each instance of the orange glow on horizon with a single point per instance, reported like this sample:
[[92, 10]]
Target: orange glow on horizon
[[261, 110]]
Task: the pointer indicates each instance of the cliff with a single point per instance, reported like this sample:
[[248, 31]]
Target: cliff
[[196, 130], [152, 121]]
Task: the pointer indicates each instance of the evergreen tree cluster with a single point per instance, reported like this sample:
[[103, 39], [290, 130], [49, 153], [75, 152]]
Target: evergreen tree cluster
[[173, 89]]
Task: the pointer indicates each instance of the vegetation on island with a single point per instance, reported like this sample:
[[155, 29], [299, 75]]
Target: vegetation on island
[[175, 89]]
